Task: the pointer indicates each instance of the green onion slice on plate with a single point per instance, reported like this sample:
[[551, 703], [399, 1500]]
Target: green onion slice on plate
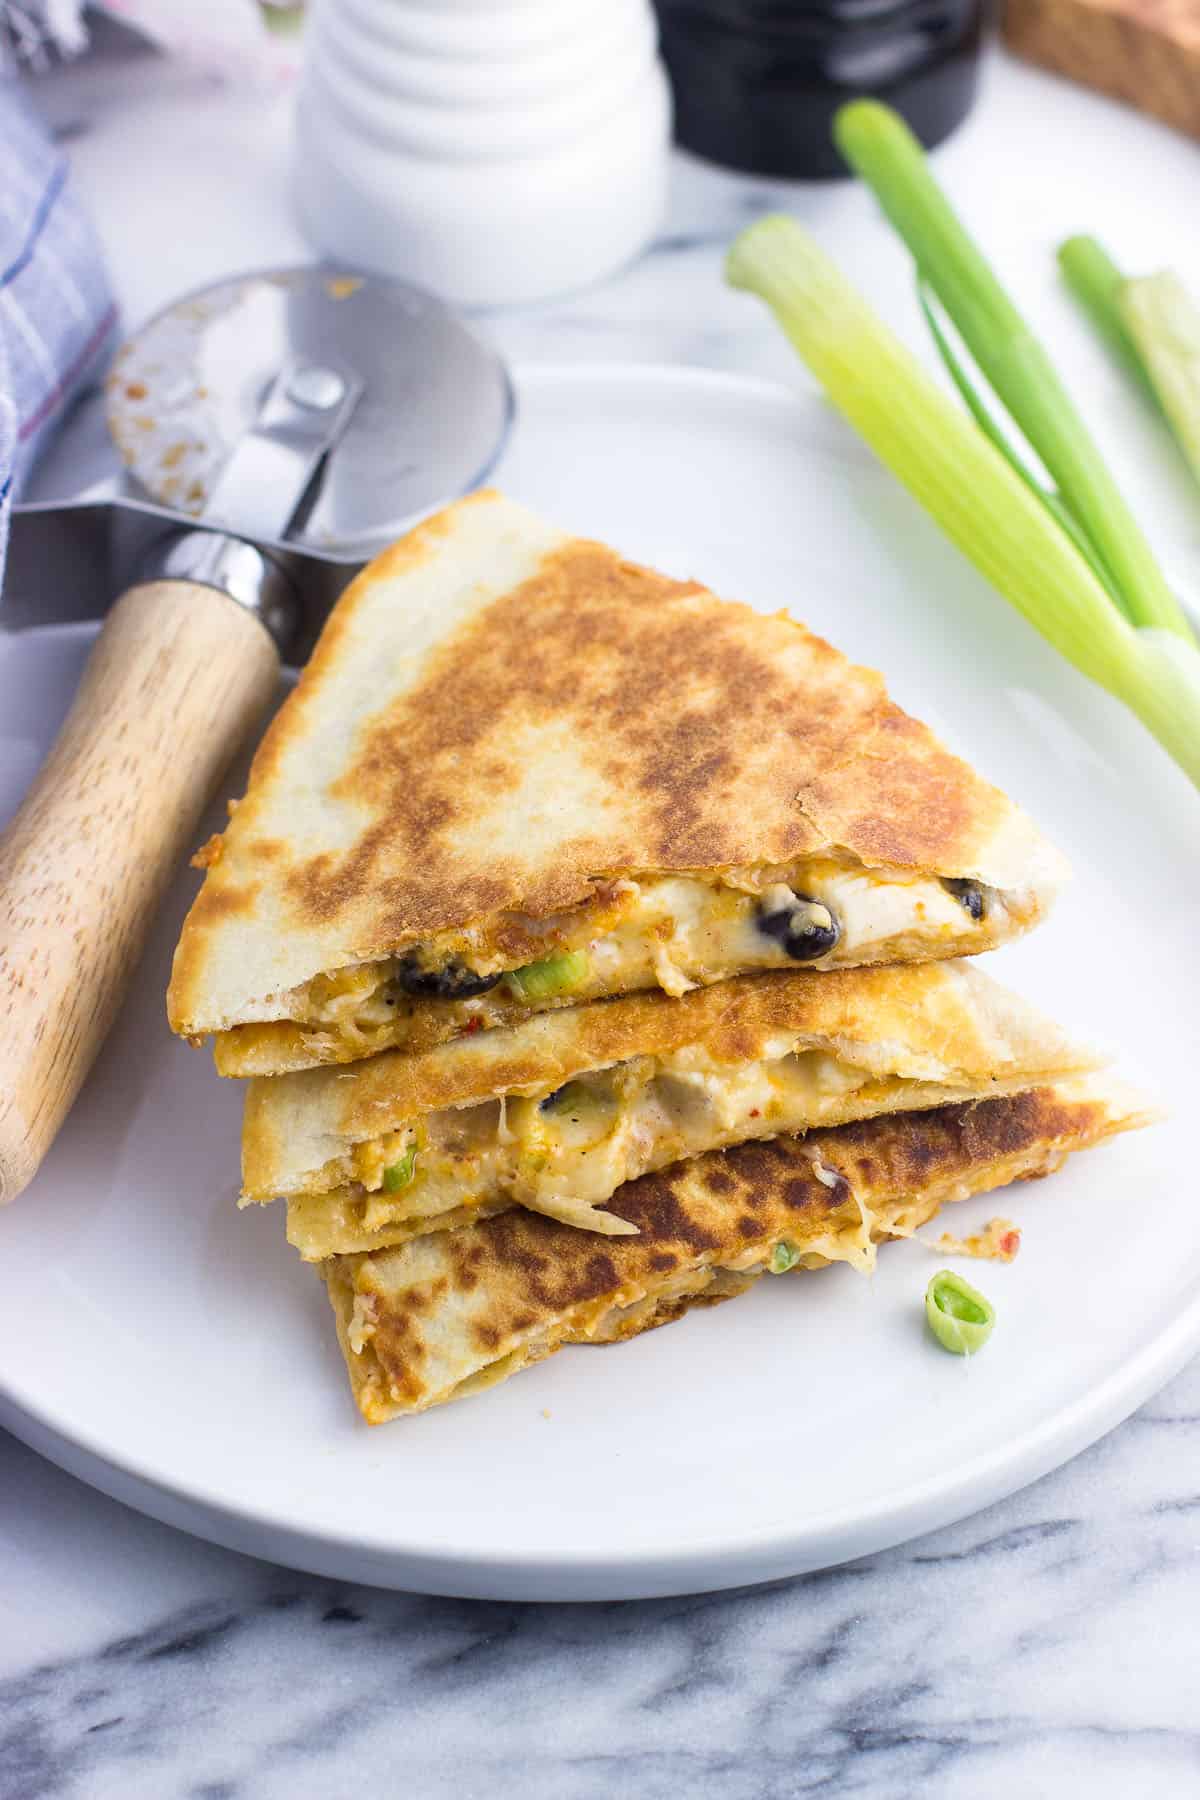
[[958, 1315]]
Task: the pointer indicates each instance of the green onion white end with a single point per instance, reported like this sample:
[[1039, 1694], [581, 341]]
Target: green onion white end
[[1164, 323]]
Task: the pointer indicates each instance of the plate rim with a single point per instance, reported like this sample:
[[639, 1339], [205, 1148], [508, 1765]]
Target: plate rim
[[698, 1563]]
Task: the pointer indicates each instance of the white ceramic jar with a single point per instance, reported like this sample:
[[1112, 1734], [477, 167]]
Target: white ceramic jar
[[492, 150]]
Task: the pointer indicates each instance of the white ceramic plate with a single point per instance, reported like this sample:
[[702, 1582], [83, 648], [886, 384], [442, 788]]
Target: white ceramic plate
[[174, 1353]]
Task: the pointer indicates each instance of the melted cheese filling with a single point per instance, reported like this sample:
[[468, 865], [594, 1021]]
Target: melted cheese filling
[[671, 932], [567, 1156]]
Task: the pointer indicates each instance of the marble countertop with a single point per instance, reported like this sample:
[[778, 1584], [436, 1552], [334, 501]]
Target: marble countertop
[[1049, 1643], [1046, 1646]]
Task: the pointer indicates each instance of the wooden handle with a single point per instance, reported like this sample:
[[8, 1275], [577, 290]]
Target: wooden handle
[[176, 679]]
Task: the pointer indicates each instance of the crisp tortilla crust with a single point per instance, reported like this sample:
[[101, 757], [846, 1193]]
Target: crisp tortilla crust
[[473, 1305], [946, 1023], [500, 717]]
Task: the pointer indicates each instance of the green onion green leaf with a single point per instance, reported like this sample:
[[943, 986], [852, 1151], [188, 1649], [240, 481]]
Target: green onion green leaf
[[784, 1256], [1153, 323], [1096, 282], [986, 423], [958, 1315]]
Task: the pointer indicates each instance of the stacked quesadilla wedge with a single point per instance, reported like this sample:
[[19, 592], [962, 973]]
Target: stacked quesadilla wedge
[[555, 1113], [591, 945], [448, 1314], [520, 772]]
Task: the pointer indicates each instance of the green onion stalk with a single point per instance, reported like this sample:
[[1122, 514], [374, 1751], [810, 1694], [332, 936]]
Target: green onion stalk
[[1096, 282], [1164, 322], [1154, 325], [879, 145], [995, 514]]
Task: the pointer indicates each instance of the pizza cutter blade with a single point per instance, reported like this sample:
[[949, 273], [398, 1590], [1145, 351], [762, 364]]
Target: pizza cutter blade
[[254, 444], [311, 412]]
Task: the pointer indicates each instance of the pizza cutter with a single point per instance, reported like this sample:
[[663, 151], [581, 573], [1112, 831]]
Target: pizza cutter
[[253, 446]]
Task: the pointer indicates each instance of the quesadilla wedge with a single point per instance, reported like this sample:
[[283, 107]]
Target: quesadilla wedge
[[556, 1113], [521, 772], [447, 1315]]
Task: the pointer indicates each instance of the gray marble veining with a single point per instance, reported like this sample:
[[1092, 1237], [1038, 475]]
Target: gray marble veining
[[1055, 1634], [1047, 1646]]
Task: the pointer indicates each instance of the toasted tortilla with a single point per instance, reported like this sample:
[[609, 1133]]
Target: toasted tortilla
[[446, 1315], [506, 734], [556, 1113]]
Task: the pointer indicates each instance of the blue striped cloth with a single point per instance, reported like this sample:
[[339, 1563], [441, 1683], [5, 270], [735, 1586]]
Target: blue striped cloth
[[57, 317]]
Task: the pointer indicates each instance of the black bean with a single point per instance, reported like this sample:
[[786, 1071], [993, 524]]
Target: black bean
[[969, 895], [569, 1098], [806, 930], [452, 981]]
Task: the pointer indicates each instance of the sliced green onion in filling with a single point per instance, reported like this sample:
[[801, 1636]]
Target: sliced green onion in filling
[[958, 1315], [784, 1256], [551, 975], [397, 1175]]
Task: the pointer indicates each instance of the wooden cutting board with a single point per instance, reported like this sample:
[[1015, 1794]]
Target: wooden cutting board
[[1144, 51]]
